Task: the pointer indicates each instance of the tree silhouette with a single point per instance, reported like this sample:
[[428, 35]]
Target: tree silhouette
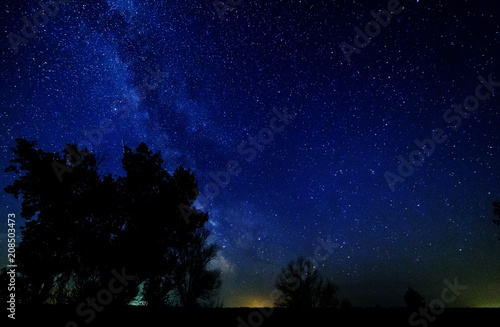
[[195, 284], [413, 299], [4, 281], [301, 286], [81, 228], [153, 197], [496, 211], [66, 235]]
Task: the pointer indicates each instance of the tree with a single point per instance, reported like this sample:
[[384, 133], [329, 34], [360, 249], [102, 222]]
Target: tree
[[67, 233], [301, 286], [153, 197], [496, 211], [195, 283], [4, 281], [413, 299]]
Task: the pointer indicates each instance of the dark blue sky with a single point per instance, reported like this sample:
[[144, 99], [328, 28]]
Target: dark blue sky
[[196, 86]]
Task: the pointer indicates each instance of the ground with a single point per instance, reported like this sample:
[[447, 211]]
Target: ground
[[243, 317]]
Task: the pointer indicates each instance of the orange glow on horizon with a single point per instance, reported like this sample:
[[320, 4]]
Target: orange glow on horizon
[[257, 302]]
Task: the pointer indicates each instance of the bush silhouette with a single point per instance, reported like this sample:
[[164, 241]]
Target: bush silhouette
[[301, 286], [413, 299]]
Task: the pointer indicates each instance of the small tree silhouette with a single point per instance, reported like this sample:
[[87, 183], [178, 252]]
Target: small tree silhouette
[[301, 286], [413, 299], [496, 211]]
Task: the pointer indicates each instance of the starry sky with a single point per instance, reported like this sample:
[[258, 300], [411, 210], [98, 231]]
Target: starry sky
[[315, 123]]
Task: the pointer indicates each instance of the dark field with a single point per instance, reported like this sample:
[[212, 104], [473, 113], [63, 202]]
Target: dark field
[[142, 316]]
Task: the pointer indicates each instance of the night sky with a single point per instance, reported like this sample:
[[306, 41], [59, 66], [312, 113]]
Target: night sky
[[315, 125]]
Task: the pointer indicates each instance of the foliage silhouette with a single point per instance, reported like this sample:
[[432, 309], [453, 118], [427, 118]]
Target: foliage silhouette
[[496, 211], [193, 280], [413, 299], [80, 229], [301, 287]]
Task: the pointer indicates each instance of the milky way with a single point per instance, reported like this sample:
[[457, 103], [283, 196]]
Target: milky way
[[299, 120]]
